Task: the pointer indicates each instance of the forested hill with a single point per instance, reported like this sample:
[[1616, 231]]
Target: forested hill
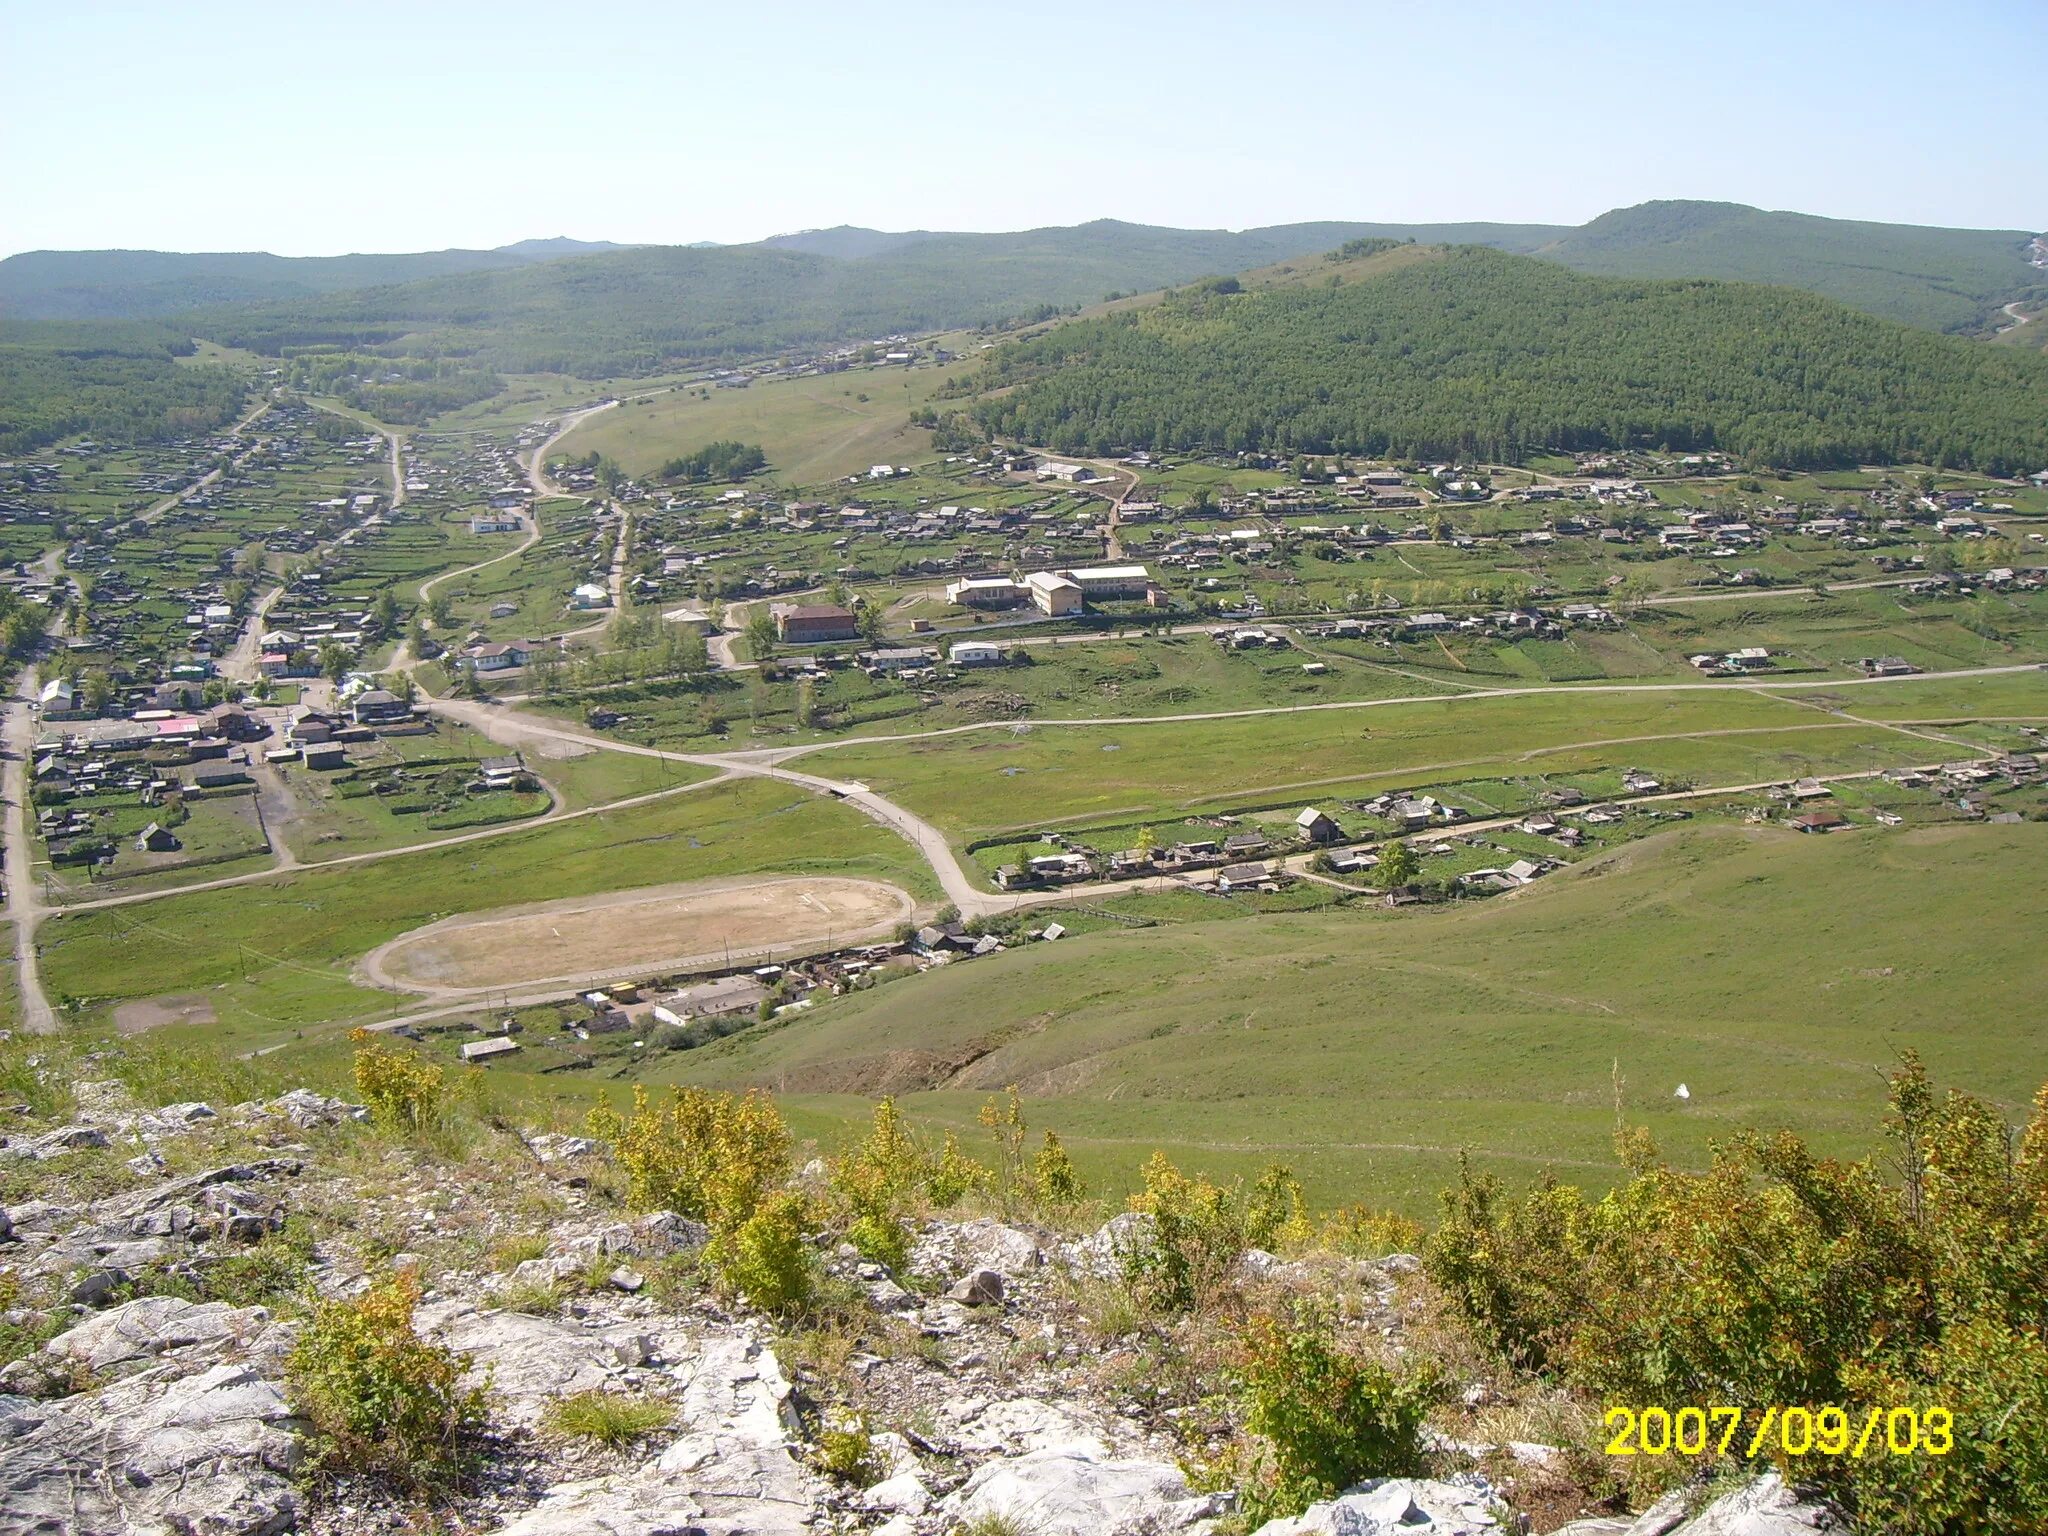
[[121, 382], [1476, 352], [639, 311], [1943, 279], [98, 285]]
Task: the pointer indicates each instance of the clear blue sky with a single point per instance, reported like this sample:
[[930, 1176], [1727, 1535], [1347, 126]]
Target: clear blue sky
[[309, 129]]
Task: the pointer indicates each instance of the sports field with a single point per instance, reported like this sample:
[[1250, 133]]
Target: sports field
[[677, 926]]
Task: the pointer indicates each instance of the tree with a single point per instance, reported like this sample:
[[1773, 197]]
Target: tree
[[869, 623], [99, 690], [386, 612], [760, 634], [334, 662], [1398, 865]]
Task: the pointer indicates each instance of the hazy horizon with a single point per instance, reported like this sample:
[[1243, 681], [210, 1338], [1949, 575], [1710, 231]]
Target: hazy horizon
[[229, 126]]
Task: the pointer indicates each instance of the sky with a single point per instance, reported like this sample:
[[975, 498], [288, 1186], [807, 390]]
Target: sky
[[215, 125]]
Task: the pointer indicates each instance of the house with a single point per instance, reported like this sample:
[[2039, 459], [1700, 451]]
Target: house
[[63, 699], [476, 1051], [1053, 594], [497, 658], [380, 706], [1637, 782], [1242, 877], [1818, 821], [900, 659], [986, 592], [500, 772], [590, 595], [156, 838], [1522, 871], [496, 522], [975, 653], [1238, 844], [1887, 666], [943, 938], [1072, 473], [324, 754], [722, 998], [812, 623], [235, 723], [1315, 827], [219, 776]]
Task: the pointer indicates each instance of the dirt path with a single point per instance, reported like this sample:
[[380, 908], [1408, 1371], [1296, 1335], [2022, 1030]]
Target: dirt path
[[24, 907]]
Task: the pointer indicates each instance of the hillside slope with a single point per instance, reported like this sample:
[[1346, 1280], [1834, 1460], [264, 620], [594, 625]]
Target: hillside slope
[[1477, 352], [1942, 279], [82, 285]]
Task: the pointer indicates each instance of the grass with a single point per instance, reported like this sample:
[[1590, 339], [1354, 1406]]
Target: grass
[[609, 1418], [275, 956], [812, 429], [1020, 777], [1775, 975]]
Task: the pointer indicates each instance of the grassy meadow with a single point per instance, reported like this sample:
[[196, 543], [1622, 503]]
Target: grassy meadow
[[1775, 975]]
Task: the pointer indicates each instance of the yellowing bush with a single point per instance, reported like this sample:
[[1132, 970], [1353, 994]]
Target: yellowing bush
[[702, 1154], [766, 1259], [403, 1089]]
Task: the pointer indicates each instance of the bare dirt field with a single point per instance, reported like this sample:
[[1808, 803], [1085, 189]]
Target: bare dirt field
[[147, 1013], [661, 927]]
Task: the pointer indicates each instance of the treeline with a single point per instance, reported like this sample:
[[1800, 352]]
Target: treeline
[[1480, 354], [409, 390], [122, 382], [722, 460]]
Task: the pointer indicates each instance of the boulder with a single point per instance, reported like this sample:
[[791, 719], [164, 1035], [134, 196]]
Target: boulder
[[204, 1455], [983, 1288], [308, 1110], [1463, 1506], [1079, 1489], [946, 1248], [66, 1138], [1103, 1252], [1015, 1425], [527, 1362]]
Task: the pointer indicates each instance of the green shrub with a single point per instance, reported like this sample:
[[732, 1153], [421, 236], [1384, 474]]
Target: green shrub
[[609, 1418], [766, 1259], [1200, 1229], [847, 1452], [706, 1155], [1322, 1416], [1055, 1181], [378, 1399], [404, 1091], [876, 1181]]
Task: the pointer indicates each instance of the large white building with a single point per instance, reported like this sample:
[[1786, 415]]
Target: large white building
[[986, 592], [1100, 581]]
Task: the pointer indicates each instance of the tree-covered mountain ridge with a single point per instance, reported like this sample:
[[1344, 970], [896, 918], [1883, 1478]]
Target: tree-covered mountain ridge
[[1478, 352]]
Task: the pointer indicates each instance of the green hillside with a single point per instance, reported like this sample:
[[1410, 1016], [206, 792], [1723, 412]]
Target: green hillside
[[1478, 352], [1775, 975], [92, 285], [1942, 279]]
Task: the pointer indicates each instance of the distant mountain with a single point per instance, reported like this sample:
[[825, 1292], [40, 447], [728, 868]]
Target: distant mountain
[[1456, 352], [81, 285], [1943, 279], [559, 246], [848, 242]]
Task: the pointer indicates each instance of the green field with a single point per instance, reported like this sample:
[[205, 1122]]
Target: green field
[[812, 429], [1775, 975], [274, 957], [1020, 777]]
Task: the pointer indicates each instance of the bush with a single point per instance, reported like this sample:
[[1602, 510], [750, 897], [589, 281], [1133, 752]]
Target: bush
[[1779, 1278], [403, 1090], [1200, 1228], [1055, 1182], [609, 1418], [1324, 1416], [706, 1155], [875, 1181], [847, 1452], [766, 1259], [377, 1398]]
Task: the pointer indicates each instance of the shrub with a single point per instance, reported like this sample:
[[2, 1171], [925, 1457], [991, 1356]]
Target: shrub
[[765, 1257], [378, 1399], [1323, 1416], [1200, 1228], [609, 1418], [706, 1155], [875, 1181], [1776, 1277], [1055, 1182], [404, 1091], [847, 1452], [1365, 1233], [952, 1175]]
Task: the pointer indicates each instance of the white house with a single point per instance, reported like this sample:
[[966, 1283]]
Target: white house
[[975, 653], [591, 595]]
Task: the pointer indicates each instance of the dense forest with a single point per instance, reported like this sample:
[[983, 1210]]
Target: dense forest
[[1480, 353], [722, 460], [122, 382], [411, 391]]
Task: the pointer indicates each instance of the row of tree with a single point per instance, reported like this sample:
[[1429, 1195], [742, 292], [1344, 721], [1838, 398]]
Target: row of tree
[[125, 383]]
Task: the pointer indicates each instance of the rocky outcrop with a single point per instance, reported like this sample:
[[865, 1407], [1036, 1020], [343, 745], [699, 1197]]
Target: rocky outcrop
[[208, 1454], [1403, 1505], [1080, 1489], [1769, 1506]]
